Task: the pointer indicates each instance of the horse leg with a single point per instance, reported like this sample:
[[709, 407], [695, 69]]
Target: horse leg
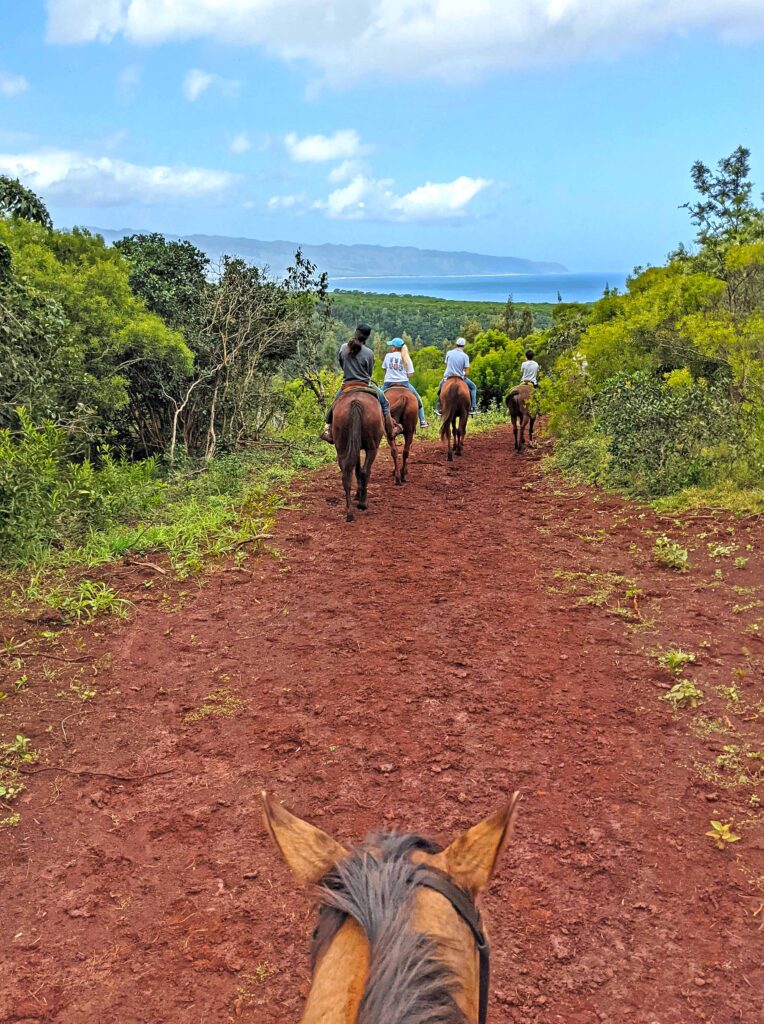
[[358, 477], [514, 430], [406, 449], [530, 434], [462, 432], [347, 482], [448, 438], [363, 486]]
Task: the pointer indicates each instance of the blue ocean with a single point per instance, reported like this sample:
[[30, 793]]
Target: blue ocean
[[583, 287]]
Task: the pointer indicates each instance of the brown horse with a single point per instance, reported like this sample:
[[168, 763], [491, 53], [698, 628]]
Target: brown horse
[[399, 937], [357, 425], [518, 403], [454, 406], [404, 408]]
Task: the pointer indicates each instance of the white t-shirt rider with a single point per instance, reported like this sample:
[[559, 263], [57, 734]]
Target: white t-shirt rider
[[530, 371], [396, 371]]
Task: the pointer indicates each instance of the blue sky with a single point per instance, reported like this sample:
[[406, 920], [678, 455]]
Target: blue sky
[[548, 129]]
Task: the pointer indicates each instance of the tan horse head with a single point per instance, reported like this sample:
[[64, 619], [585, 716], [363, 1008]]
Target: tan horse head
[[387, 949]]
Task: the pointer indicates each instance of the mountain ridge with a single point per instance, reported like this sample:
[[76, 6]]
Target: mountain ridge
[[356, 260]]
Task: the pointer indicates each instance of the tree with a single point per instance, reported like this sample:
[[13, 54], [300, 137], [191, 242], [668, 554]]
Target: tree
[[170, 277], [525, 326], [18, 201], [509, 318], [724, 212], [76, 344]]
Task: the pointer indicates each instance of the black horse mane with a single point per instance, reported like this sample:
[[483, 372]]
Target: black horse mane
[[407, 983]]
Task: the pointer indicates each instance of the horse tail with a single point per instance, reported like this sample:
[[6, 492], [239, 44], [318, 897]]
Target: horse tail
[[355, 433], [514, 404]]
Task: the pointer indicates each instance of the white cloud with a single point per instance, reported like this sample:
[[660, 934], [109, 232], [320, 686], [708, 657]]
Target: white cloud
[[366, 198], [445, 38], [344, 171], [316, 149], [240, 143], [285, 202], [76, 179], [12, 85], [197, 81], [129, 79]]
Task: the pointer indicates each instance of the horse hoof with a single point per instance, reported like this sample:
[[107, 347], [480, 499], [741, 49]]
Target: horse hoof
[[363, 506], [349, 517]]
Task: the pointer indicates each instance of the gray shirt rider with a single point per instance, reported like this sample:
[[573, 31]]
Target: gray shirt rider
[[359, 366]]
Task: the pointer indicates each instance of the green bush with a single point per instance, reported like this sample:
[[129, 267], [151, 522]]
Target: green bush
[[46, 498], [585, 458], [664, 436]]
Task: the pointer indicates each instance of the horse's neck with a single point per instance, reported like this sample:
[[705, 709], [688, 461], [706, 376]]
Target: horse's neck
[[434, 916], [339, 979]]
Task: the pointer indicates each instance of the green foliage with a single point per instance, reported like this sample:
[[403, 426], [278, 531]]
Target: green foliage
[[46, 498], [586, 459], [684, 694], [663, 435], [430, 321], [722, 834], [13, 756], [170, 277], [671, 373], [674, 659], [667, 552], [21, 202], [76, 344], [86, 601], [494, 365]]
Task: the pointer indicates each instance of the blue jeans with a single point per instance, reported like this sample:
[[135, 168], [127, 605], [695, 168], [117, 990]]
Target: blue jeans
[[380, 395], [412, 389], [473, 391]]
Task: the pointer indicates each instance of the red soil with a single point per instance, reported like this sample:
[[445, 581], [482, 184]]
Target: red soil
[[408, 670]]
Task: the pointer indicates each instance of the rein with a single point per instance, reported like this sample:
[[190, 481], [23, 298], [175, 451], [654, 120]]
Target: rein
[[466, 909]]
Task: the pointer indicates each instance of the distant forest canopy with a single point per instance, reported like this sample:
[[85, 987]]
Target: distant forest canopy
[[429, 321]]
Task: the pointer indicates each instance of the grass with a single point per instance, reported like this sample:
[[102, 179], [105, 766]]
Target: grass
[[600, 590], [13, 756], [725, 497], [202, 512], [220, 702]]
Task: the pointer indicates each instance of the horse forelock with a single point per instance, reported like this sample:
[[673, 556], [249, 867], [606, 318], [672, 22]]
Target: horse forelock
[[407, 982]]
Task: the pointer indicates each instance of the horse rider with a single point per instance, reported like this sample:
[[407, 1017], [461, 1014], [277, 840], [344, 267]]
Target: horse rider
[[529, 370], [357, 362], [398, 369], [457, 364]]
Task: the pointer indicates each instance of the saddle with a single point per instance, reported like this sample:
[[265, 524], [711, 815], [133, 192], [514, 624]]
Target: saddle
[[358, 385]]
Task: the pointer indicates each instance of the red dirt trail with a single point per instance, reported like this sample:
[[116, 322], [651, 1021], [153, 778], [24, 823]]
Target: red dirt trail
[[474, 632]]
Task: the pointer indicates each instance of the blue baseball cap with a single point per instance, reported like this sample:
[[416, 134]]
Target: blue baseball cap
[[396, 342]]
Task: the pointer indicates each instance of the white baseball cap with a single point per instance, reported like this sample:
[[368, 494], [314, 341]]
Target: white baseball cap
[[461, 342]]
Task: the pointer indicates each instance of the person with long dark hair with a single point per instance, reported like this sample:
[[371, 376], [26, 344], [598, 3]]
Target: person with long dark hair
[[357, 362]]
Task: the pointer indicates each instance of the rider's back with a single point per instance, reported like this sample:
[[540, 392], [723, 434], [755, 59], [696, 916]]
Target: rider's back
[[356, 365]]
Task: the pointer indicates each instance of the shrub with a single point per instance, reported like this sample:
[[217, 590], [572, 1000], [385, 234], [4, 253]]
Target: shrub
[[665, 435], [671, 554], [586, 459]]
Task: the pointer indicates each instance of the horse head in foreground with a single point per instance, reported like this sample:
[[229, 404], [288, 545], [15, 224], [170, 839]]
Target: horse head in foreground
[[399, 939]]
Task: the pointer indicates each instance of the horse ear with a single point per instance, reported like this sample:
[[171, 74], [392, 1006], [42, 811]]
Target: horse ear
[[472, 857], [308, 851]]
